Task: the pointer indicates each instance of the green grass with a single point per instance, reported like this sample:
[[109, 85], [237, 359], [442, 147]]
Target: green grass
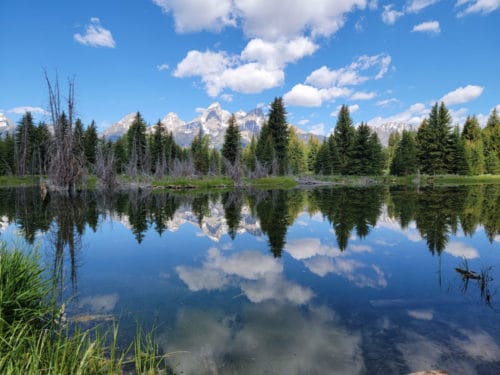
[[35, 340], [277, 182], [14, 181], [465, 180], [216, 182]]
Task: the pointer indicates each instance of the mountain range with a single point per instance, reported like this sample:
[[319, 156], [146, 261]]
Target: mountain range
[[6, 124], [213, 120]]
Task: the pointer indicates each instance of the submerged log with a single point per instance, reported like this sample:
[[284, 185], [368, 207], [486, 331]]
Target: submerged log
[[468, 274]]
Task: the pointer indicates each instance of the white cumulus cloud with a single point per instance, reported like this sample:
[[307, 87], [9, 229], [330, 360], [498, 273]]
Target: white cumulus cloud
[[389, 15], [24, 109], [415, 6], [196, 15], [462, 95], [362, 95], [259, 67], [431, 27], [95, 35], [476, 6]]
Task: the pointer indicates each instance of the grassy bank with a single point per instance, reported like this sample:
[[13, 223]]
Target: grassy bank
[[15, 181], [276, 182], [35, 340], [206, 182]]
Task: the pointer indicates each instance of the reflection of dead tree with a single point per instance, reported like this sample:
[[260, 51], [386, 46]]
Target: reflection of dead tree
[[66, 166], [483, 280]]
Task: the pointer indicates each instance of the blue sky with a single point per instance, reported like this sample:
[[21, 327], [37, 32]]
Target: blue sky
[[389, 61]]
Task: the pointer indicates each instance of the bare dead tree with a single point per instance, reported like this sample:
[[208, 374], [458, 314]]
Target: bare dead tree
[[105, 169], [66, 166], [234, 171]]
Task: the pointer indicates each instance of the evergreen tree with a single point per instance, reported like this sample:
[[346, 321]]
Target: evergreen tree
[[344, 139], [458, 161], [474, 150], [278, 128], [158, 157], [120, 154], [249, 155], [42, 147], [472, 130], [323, 163], [90, 140], [491, 140], [136, 145], [7, 151], [433, 140], [361, 155], [231, 149], [405, 157], [313, 146], [200, 153], [25, 132], [297, 162], [393, 143], [215, 164], [265, 148], [376, 155], [78, 143]]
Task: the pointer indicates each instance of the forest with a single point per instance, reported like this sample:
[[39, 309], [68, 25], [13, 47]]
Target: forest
[[67, 151]]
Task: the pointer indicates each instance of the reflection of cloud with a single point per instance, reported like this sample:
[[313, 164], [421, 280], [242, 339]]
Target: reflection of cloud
[[479, 345], [455, 355], [461, 250], [104, 303], [421, 314], [360, 248], [305, 248], [385, 243], [259, 276], [357, 272], [264, 339]]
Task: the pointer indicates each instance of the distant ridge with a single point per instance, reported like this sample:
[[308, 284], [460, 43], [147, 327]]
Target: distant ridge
[[213, 123]]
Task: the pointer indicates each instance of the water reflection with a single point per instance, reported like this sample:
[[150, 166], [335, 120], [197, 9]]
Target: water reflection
[[436, 213], [292, 281]]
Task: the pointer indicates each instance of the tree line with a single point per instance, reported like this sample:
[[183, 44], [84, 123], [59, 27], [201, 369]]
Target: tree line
[[70, 151]]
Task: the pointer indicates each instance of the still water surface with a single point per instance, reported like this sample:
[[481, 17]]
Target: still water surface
[[335, 280]]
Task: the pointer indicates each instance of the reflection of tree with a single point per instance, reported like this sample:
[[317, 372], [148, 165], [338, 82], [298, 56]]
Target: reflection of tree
[[233, 203], [162, 209], [490, 215], [438, 211], [349, 208], [200, 206], [138, 213], [277, 210]]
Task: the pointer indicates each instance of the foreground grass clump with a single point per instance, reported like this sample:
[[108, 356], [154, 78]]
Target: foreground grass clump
[[34, 339]]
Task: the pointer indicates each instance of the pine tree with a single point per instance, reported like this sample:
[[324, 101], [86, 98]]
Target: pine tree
[[265, 148], [433, 140], [297, 162], [323, 163], [249, 155], [361, 155], [90, 140], [231, 149], [344, 139], [393, 143], [474, 150], [376, 155], [491, 139], [215, 164], [120, 154], [279, 132], [405, 157], [200, 153], [458, 161], [158, 150], [25, 132], [313, 146], [136, 145]]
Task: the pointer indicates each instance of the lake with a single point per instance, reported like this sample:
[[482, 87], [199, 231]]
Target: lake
[[340, 280]]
